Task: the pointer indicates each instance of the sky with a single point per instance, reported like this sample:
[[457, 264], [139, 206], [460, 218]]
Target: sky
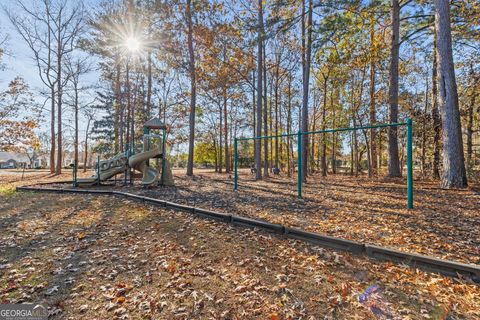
[[18, 61]]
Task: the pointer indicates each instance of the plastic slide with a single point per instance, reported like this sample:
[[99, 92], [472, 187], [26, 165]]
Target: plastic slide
[[139, 162], [108, 168]]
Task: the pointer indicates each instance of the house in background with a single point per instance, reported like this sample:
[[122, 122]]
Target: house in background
[[40, 161], [13, 160]]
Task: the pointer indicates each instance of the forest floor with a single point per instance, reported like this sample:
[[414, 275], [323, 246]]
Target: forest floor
[[88, 257], [443, 223]]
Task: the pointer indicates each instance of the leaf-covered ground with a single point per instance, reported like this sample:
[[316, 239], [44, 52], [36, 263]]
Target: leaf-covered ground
[[11, 178], [444, 223], [101, 257]]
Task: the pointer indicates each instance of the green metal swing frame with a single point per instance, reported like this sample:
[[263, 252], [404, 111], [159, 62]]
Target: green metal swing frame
[[408, 124]]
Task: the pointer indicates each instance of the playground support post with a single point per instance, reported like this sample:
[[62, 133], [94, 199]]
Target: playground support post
[[235, 174], [162, 177], [409, 163]]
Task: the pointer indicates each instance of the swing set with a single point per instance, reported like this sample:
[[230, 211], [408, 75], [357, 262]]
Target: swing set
[[408, 124]]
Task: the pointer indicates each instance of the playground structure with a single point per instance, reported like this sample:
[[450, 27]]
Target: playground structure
[[409, 151], [126, 163]]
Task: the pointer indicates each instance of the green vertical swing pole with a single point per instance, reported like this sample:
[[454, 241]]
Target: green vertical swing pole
[[299, 164], [409, 163], [235, 174], [162, 181]]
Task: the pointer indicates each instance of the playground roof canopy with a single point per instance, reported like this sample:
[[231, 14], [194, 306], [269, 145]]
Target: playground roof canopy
[[155, 123]]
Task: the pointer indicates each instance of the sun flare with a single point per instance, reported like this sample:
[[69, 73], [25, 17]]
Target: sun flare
[[132, 44]]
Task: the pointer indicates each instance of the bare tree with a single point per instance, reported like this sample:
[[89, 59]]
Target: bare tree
[[50, 29], [68, 24], [3, 42], [76, 68], [193, 87], [454, 174], [35, 27]]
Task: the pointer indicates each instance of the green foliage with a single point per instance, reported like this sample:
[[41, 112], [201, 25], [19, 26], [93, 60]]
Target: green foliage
[[204, 153]]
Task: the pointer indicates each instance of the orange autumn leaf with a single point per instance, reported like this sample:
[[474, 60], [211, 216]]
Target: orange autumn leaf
[[171, 268], [274, 316]]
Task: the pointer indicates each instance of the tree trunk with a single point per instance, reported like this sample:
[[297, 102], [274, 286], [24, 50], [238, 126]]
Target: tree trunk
[[265, 115], [193, 89], [313, 127], [58, 169], [380, 145], [470, 116], [373, 120], [373, 110], [306, 80], [423, 157], [215, 153], [129, 109], [276, 113], [393, 158], [225, 124], [121, 124], [258, 145], [324, 124], [149, 86], [352, 152], [289, 128], [76, 122], [454, 174], [437, 123], [52, 131], [220, 139], [254, 115], [117, 146], [355, 147], [270, 122], [334, 137], [85, 158], [132, 113]]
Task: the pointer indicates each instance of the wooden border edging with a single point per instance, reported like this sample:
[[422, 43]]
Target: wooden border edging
[[155, 201], [249, 222], [173, 205], [326, 241], [445, 267], [213, 215]]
